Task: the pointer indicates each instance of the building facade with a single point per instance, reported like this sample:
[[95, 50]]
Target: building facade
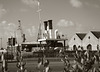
[[92, 39], [76, 42]]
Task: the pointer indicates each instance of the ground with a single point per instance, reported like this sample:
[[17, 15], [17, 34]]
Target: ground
[[56, 66]]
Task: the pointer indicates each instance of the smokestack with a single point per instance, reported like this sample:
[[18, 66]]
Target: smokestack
[[45, 24], [50, 24], [56, 32], [46, 28], [50, 28]]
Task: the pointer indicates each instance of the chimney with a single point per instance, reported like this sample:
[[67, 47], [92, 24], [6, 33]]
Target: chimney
[[46, 28], [45, 25], [50, 24], [56, 32], [50, 28]]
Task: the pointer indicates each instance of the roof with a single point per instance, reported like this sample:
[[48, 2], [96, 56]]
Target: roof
[[96, 34], [34, 43], [3, 51], [52, 39], [81, 35]]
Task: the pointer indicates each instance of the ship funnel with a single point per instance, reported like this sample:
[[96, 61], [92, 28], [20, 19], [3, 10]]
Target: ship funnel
[[45, 24], [56, 32], [50, 28], [46, 28], [50, 24]]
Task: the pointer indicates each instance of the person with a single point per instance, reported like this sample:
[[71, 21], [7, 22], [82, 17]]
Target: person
[[87, 55], [78, 61], [46, 65], [89, 60], [77, 66], [39, 64], [97, 60], [62, 55], [67, 65], [98, 54], [4, 63], [21, 65]]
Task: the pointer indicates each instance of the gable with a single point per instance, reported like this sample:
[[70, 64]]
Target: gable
[[74, 40], [90, 39], [96, 34], [81, 35]]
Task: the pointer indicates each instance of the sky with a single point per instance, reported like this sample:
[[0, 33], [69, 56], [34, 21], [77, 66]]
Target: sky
[[69, 17]]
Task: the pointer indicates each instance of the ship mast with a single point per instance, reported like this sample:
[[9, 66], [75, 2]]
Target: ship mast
[[20, 28], [40, 25]]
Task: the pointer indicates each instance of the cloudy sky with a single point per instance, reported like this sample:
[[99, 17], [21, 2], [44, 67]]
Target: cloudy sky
[[69, 16]]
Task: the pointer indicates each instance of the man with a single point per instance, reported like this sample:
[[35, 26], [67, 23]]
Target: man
[[39, 64], [89, 60], [98, 54], [67, 64], [21, 65], [77, 62], [87, 55], [46, 65]]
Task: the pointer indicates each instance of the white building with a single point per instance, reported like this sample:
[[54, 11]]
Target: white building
[[92, 39], [76, 41]]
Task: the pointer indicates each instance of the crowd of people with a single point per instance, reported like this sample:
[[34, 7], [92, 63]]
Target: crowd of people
[[83, 61], [87, 61]]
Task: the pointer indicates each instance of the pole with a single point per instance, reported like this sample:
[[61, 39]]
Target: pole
[[40, 26], [81, 44], [64, 48], [42, 51], [15, 41], [3, 63], [98, 42], [1, 42]]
